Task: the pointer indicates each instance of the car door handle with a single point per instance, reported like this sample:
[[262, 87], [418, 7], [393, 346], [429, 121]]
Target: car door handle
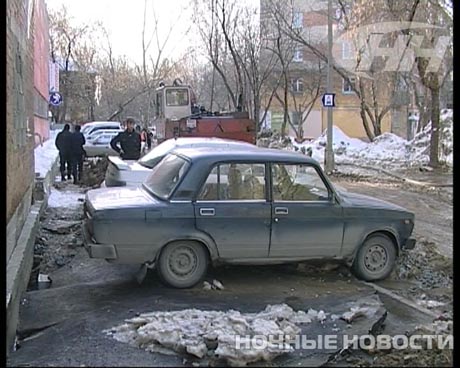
[[207, 212], [281, 211]]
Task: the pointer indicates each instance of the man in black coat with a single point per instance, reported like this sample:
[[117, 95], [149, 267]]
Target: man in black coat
[[130, 142], [78, 153], [63, 145]]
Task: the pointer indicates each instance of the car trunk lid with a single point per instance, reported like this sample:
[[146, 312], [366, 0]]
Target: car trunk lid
[[115, 198]]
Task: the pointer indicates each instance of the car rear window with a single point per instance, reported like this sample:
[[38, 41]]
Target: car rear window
[[155, 155], [166, 175]]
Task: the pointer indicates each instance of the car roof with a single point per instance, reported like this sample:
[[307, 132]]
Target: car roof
[[101, 123], [193, 140], [235, 153], [108, 130]]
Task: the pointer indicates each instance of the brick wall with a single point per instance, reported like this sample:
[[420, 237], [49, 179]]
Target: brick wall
[[41, 71], [20, 99]]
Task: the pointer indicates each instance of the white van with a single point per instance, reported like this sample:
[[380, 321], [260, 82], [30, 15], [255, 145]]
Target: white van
[[89, 128]]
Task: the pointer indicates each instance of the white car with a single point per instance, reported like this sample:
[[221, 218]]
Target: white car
[[133, 173], [89, 128], [100, 145], [97, 133]]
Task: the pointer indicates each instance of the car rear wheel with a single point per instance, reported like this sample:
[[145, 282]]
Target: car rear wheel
[[182, 264], [375, 259]]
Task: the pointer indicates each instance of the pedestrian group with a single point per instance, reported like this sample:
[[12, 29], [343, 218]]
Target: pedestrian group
[[129, 144]]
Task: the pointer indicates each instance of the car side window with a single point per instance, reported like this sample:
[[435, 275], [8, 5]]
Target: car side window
[[296, 182], [235, 181], [102, 140]]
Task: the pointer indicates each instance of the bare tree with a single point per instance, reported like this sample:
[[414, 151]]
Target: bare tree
[[258, 65], [64, 40], [218, 30], [376, 92], [435, 67]]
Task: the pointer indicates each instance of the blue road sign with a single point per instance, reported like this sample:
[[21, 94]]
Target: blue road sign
[[55, 98], [328, 100]]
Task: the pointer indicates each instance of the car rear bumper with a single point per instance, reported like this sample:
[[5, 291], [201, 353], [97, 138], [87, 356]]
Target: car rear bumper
[[95, 250], [410, 244]]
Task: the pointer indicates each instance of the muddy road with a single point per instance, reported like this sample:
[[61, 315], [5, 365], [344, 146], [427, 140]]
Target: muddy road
[[433, 208], [62, 322]]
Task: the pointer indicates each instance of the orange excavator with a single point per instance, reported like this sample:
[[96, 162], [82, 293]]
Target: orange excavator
[[177, 115]]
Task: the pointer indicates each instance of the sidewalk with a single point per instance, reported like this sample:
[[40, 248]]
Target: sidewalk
[[20, 261]]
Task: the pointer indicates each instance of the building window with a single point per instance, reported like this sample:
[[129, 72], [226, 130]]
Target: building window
[[297, 85], [298, 55], [297, 19], [347, 50], [347, 85]]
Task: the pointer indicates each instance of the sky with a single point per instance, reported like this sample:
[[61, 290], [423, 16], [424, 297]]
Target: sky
[[124, 20]]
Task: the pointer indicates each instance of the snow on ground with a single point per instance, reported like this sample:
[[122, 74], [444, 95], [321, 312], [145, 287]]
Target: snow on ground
[[231, 336], [196, 332], [45, 155], [387, 149], [67, 199]]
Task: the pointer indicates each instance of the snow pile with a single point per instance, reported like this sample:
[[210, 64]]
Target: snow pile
[[447, 137], [230, 335], [67, 199], [46, 155], [386, 149], [419, 147], [341, 141]]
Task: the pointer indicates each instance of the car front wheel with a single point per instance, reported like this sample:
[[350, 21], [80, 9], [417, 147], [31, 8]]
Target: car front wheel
[[375, 259], [182, 264]]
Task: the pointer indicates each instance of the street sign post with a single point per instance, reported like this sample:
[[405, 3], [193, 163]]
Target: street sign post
[[55, 98], [328, 100]]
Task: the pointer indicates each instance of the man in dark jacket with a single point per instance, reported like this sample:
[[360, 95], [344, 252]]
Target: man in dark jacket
[[63, 145], [130, 142], [78, 153]]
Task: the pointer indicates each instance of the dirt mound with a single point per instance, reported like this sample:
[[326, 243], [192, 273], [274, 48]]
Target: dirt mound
[[94, 172], [425, 265]]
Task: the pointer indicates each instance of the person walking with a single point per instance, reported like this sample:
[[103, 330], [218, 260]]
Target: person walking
[[146, 142], [129, 141], [78, 153], [63, 145], [149, 140]]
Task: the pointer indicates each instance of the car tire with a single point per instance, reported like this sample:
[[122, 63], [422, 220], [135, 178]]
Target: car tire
[[182, 264], [375, 258]]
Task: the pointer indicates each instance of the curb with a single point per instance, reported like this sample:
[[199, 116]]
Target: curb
[[20, 263], [18, 270]]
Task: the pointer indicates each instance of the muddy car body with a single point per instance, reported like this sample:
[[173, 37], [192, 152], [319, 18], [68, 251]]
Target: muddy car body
[[261, 206]]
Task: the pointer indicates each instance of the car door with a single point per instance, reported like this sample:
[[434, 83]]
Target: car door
[[306, 220], [232, 208]]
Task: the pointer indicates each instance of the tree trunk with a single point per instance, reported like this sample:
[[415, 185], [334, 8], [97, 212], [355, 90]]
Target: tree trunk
[[257, 111], [365, 123], [378, 126], [424, 119], [434, 142], [286, 112]]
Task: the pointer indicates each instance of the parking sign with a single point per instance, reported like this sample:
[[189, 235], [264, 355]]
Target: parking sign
[[328, 100]]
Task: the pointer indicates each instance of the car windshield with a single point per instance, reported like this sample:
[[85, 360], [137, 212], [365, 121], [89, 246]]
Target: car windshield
[[166, 175], [155, 155]]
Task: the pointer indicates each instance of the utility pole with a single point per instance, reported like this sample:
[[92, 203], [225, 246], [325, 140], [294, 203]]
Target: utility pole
[[329, 156]]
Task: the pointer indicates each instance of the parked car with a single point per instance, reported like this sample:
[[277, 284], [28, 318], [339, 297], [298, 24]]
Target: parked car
[[260, 206], [133, 173], [100, 145], [96, 133], [89, 128]]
